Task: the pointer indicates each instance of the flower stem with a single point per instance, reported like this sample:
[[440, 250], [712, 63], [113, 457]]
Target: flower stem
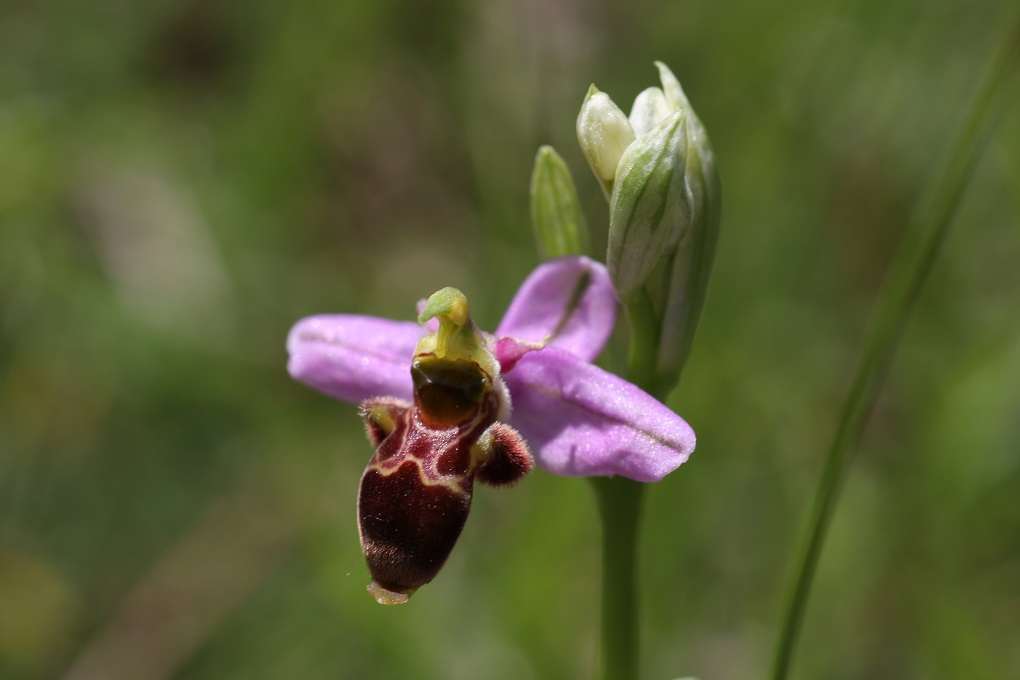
[[908, 273], [619, 501]]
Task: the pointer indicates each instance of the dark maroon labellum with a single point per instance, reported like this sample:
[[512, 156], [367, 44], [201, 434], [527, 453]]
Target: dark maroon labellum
[[416, 492]]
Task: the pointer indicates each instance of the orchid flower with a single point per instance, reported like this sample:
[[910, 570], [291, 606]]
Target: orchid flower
[[459, 404]]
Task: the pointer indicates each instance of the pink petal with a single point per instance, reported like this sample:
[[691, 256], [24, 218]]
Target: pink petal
[[571, 297], [580, 420], [353, 357]]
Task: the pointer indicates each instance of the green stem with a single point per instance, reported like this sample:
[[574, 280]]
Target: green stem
[[619, 501], [908, 274]]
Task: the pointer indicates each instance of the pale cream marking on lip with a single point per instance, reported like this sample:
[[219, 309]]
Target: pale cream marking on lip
[[385, 468], [451, 483]]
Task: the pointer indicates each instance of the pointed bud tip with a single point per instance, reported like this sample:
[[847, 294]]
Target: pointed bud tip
[[666, 75]]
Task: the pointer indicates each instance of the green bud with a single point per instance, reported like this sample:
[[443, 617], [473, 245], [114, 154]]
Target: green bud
[[692, 262], [603, 132], [650, 208], [556, 214], [664, 207]]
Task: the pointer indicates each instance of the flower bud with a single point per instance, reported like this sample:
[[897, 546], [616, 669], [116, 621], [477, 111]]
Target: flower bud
[[556, 214], [650, 108], [650, 208], [664, 203], [692, 262], [603, 132]]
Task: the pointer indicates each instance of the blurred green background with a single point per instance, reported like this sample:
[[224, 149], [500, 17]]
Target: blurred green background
[[182, 180]]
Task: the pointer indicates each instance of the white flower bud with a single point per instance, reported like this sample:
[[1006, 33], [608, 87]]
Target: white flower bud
[[650, 208], [650, 108], [603, 132]]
